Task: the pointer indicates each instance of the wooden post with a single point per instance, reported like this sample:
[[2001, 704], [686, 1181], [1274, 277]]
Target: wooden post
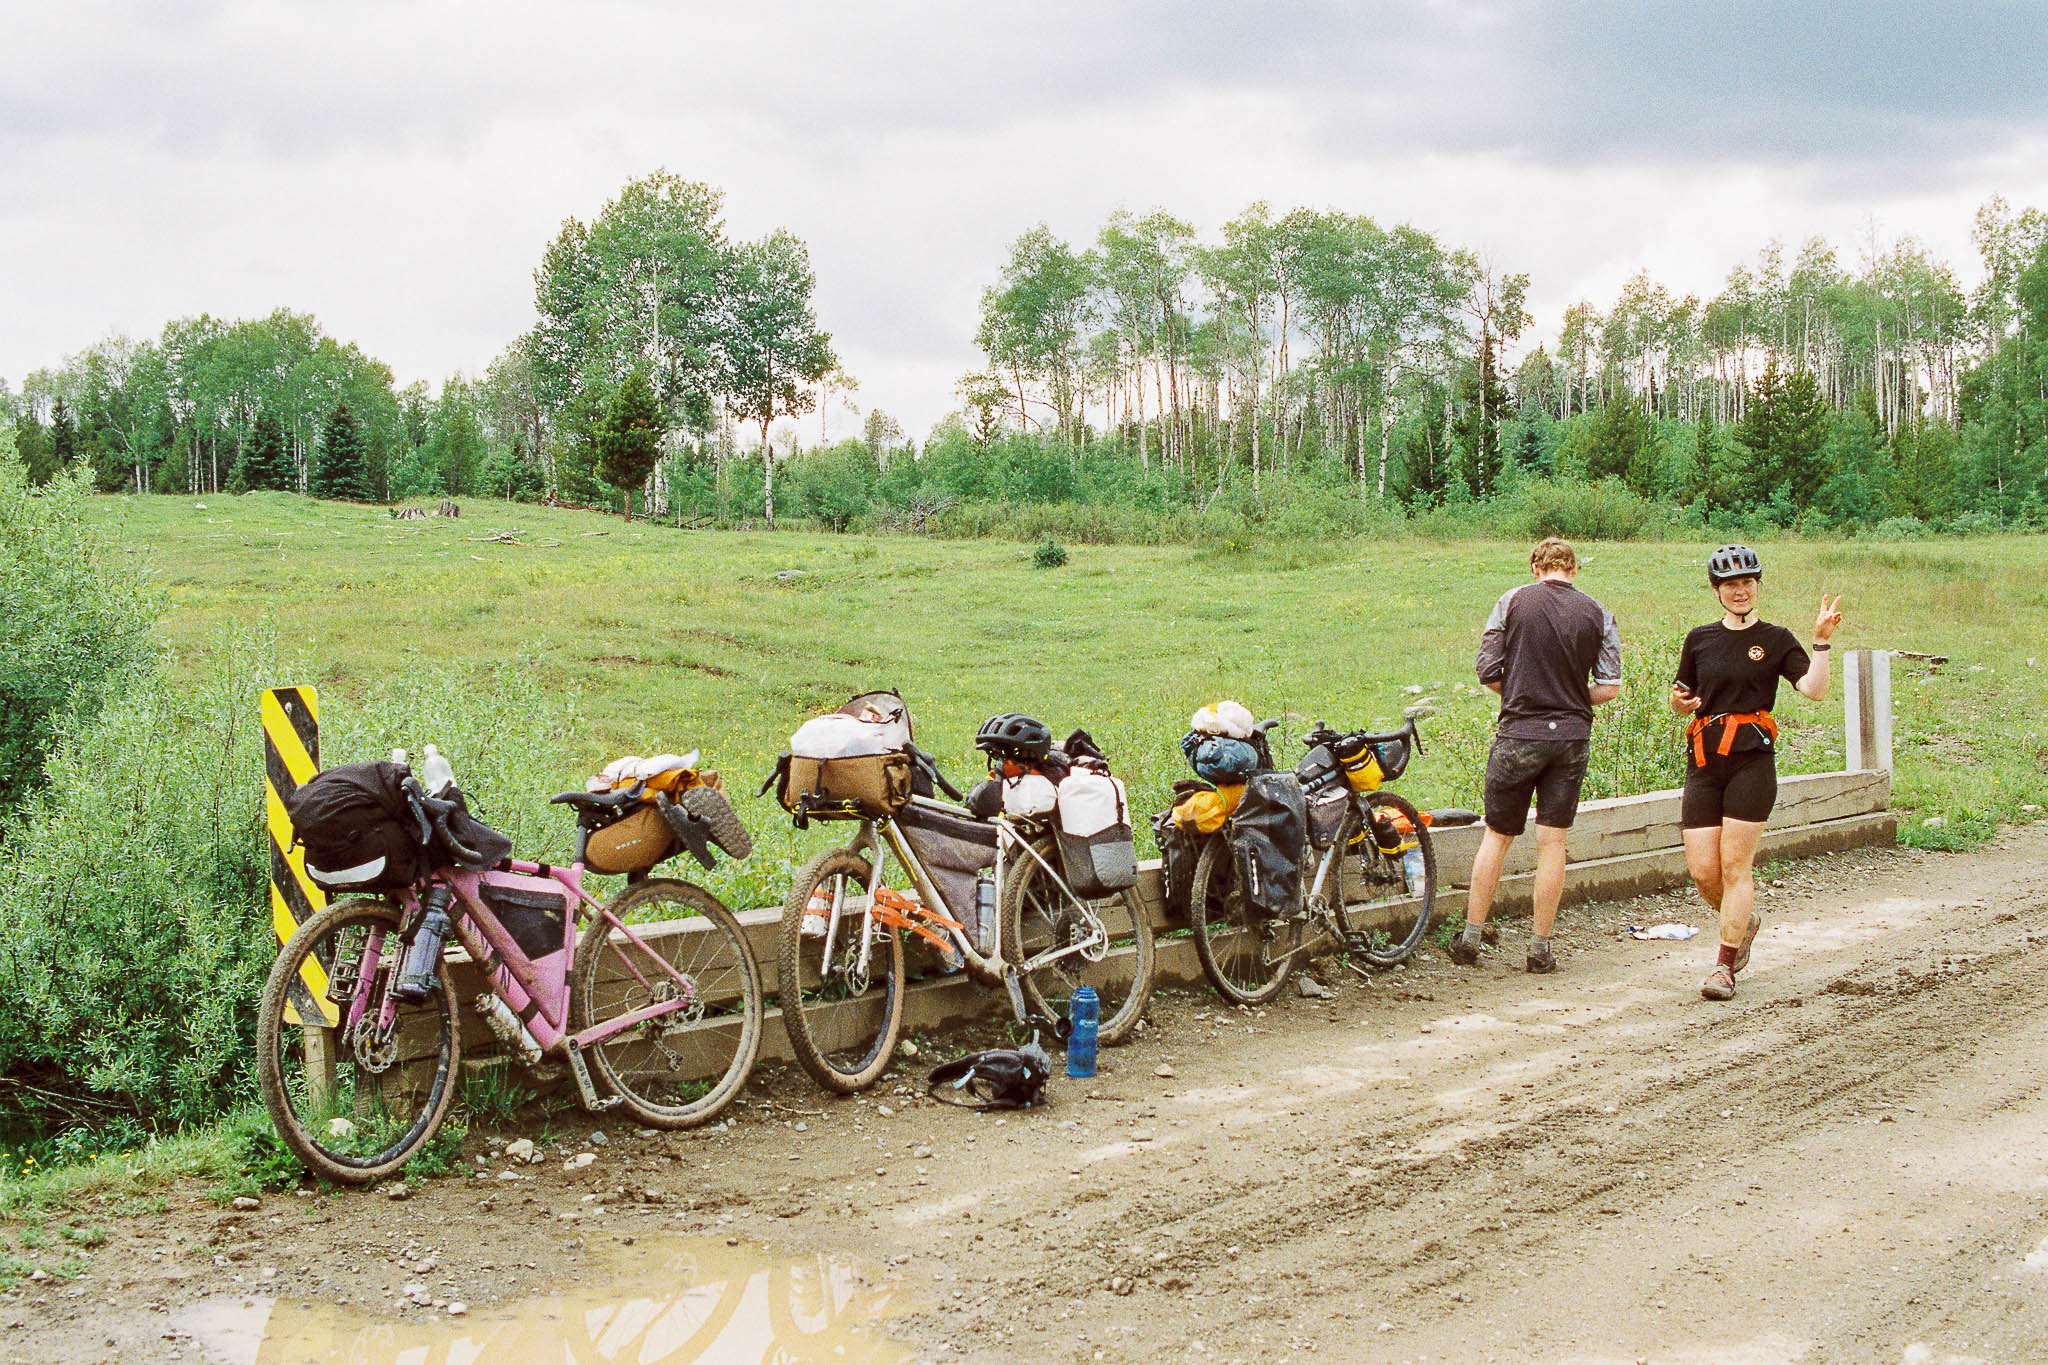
[[320, 1060], [1867, 709]]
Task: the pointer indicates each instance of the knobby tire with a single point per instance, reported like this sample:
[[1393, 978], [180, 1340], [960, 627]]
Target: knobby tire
[[840, 1055]]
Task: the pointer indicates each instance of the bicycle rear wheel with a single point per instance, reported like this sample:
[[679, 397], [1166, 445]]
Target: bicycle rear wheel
[[1390, 910], [353, 1104], [843, 1014], [1247, 956], [680, 1069], [1039, 918]]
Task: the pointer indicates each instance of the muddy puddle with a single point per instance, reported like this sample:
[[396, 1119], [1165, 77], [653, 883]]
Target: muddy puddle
[[688, 1301]]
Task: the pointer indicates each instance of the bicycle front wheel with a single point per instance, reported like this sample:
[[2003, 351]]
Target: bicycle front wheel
[[680, 1069], [1391, 902], [354, 1103], [843, 1010], [1247, 956], [1039, 918]]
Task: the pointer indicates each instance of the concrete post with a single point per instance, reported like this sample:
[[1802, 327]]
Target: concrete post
[[1867, 709]]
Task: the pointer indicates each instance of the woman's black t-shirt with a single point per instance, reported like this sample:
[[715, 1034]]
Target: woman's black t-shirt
[[1736, 672]]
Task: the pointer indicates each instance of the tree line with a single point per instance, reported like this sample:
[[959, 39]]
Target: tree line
[[1154, 366]]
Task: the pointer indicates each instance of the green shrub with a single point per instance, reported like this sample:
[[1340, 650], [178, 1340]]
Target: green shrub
[[135, 926], [1583, 511], [1050, 554], [72, 630]]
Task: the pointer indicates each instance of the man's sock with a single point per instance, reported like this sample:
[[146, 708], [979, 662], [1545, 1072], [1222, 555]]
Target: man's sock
[[1539, 944], [1728, 956], [1471, 934]]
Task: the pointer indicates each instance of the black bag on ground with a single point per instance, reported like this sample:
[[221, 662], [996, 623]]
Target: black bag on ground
[[954, 850], [1269, 842], [358, 828], [1003, 1078]]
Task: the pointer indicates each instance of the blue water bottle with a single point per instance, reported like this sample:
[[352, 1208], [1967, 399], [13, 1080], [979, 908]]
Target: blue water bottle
[[1084, 1012]]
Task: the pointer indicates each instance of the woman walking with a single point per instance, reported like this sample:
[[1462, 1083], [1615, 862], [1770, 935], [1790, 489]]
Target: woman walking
[[1727, 680]]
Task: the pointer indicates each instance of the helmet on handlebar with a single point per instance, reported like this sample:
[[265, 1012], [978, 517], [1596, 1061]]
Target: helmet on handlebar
[[1013, 736]]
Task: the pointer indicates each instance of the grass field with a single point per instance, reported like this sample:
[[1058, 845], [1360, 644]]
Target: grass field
[[672, 640]]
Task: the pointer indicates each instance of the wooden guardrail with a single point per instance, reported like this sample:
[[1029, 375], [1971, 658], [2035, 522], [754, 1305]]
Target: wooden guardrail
[[1622, 846]]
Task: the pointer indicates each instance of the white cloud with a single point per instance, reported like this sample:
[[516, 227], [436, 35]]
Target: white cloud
[[397, 169]]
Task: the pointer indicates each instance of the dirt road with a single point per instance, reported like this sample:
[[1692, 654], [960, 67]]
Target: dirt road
[[1847, 1163]]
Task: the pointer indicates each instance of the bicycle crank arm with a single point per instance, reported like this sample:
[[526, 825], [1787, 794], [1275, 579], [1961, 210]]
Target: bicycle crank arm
[[584, 1089]]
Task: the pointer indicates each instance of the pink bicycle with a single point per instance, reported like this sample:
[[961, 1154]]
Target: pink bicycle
[[358, 1076]]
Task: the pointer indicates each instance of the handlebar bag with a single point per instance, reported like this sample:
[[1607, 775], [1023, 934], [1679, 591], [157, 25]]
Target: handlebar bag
[[1367, 764], [1269, 842], [358, 829]]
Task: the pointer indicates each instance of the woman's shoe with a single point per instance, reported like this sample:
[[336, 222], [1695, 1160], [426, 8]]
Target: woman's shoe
[[1756, 922], [1719, 985]]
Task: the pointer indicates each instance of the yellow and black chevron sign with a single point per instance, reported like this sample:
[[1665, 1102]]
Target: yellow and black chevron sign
[[291, 755]]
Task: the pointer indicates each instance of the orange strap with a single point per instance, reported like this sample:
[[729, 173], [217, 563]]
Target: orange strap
[[898, 911], [1729, 723]]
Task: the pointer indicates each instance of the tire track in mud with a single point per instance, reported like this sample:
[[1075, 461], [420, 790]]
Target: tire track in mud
[[1464, 1191]]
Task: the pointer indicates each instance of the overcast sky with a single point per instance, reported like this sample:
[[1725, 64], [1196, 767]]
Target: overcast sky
[[396, 169]]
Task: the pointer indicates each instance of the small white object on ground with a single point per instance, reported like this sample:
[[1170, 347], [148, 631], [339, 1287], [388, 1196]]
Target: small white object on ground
[[579, 1161], [1678, 931]]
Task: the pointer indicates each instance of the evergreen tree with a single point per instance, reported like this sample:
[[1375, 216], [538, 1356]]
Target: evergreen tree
[[63, 436], [341, 471], [1621, 443], [1923, 472], [32, 445], [629, 441], [265, 462], [1799, 463], [1858, 463]]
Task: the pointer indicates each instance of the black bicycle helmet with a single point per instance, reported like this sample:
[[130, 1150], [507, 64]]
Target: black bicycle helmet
[[1013, 735], [1733, 561]]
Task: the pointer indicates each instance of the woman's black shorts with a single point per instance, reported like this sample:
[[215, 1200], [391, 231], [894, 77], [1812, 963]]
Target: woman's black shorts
[[1742, 786]]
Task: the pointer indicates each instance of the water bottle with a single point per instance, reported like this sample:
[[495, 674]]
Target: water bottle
[[984, 913], [416, 979], [1411, 863], [1083, 1013], [437, 773]]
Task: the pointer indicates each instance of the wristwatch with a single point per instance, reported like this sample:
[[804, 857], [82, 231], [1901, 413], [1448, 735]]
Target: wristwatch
[[1821, 645]]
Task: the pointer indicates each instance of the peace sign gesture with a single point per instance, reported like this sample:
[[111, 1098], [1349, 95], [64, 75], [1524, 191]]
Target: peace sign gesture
[[1830, 617]]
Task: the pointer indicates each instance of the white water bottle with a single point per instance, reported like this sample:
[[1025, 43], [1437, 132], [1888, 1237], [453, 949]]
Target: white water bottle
[[438, 772]]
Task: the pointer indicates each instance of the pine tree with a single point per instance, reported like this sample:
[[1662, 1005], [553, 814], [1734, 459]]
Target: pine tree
[[63, 436], [341, 471], [264, 461], [629, 439]]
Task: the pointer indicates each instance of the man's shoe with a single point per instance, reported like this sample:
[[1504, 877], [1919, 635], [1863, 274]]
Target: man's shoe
[[1464, 951], [1541, 962], [1756, 922], [1719, 985]]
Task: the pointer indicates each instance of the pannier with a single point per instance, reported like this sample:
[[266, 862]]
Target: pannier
[[1269, 842], [1178, 851], [358, 828], [1094, 834], [955, 852]]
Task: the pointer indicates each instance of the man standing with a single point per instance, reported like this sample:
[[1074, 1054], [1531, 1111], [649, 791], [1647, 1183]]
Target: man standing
[[1553, 654]]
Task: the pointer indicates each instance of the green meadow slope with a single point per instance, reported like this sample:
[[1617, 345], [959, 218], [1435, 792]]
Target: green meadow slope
[[671, 639]]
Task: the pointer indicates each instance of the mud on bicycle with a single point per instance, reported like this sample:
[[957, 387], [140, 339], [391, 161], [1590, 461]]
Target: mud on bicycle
[[987, 892], [358, 1034]]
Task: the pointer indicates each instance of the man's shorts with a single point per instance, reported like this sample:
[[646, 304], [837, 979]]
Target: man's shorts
[[1742, 786], [1551, 769]]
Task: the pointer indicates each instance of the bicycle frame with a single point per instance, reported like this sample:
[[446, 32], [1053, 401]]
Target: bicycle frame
[[874, 835], [536, 990]]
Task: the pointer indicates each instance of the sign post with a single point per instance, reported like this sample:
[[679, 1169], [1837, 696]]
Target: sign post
[[291, 755]]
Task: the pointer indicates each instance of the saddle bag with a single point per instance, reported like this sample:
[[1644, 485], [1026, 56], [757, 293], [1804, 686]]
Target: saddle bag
[[633, 843], [358, 828]]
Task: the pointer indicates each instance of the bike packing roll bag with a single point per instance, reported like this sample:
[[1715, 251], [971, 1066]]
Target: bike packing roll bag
[[1094, 833], [633, 843], [1269, 842], [533, 918], [869, 785], [358, 828]]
